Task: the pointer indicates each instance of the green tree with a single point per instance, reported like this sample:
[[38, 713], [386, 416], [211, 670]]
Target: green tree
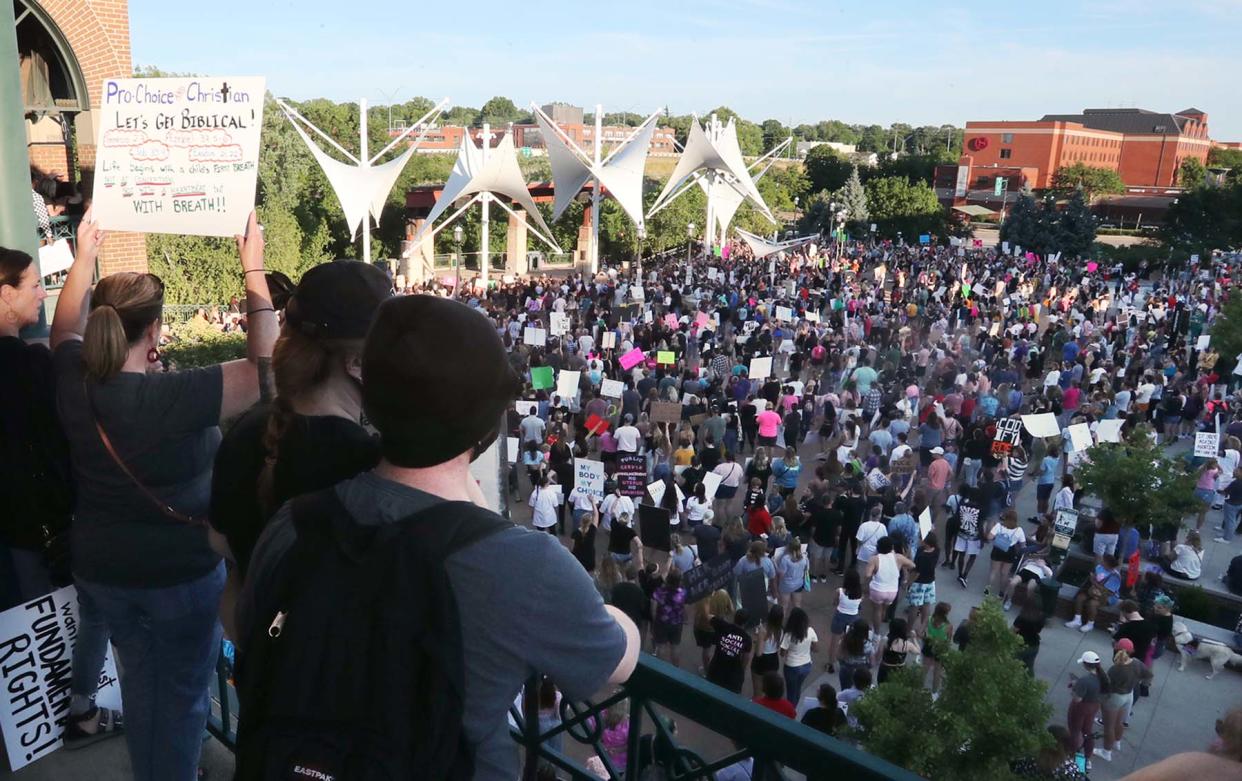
[[1136, 481], [898, 206], [1191, 173], [1093, 181], [853, 197], [499, 111], [912, 168], [1077, 227], [825, 169], [1205, 219], [1226, 332], [773, 133], [983, 719], [1220, 157]]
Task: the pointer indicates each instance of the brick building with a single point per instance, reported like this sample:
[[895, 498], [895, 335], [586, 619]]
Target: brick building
[[68, 48], [447, 138], [1145, 147]]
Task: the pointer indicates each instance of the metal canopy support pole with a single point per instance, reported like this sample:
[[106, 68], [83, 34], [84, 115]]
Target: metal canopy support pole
[[364, 162], [18, 229], [599, 129], [484, 248]]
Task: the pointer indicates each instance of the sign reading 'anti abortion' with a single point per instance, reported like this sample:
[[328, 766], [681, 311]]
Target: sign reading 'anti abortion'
[[178, 155], [36, 655]]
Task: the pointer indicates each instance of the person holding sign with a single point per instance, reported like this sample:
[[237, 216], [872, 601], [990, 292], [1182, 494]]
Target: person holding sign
[[143, 442]]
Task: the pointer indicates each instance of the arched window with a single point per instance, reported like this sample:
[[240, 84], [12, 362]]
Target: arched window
[[52, 81]]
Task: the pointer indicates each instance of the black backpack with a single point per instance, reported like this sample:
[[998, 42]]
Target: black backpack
[[354, 668]]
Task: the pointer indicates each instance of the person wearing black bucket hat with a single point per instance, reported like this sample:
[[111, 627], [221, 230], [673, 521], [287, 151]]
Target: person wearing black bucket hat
[[435, 385], [309, 437]]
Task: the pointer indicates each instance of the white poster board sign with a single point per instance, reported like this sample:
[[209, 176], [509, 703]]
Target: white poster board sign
[[1206, 444], [525, 408], [656, 491], [36, 651], [178, 155], [925, 523], [1203, 342], [55, 257], [784, 314], [711, 481], [567, 383], [1080, 437], [589, 477], [609, 340], [1043, 425], [535, 337], [760, 368], [1109, 430], [511, 449], [611, 388], [558, 323]]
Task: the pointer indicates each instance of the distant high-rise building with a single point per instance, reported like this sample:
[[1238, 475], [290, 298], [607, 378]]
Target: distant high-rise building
[[563, 113]]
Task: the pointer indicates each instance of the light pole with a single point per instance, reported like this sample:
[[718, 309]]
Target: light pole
[[457, 237], [642, 234], [796, 218], [689, 240]]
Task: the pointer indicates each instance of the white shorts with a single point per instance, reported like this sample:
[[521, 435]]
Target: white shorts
[[969, 547], [1104, 544]]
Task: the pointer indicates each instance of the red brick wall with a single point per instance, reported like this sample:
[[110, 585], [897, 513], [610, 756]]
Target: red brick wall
[[1153, 160], [98, 33]]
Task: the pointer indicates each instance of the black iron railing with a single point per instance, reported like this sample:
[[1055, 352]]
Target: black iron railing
[[770, 743]]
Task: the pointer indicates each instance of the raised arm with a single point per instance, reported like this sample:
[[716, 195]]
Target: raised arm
[[242, 378], [71, 307]]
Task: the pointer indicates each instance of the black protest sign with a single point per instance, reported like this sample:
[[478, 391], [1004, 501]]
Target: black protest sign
[[631, 474], [752, 589], [653, 527], [704, 580]]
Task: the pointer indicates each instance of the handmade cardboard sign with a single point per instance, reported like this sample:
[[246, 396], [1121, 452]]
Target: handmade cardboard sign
[[178, 155], [589, 476], [611, 389], [665, 412]]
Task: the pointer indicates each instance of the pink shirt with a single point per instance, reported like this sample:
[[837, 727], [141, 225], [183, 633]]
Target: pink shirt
[[938, 473], [769, 423], [1207, 480]]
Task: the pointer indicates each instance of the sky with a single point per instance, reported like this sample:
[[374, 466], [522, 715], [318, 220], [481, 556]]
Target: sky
[[923, 63]]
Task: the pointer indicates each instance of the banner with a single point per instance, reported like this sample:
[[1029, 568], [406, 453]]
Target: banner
[[36, 652], [178, 155], [704, 580]]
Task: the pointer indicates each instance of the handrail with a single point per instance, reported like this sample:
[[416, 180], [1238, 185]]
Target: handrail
[[773, 741]]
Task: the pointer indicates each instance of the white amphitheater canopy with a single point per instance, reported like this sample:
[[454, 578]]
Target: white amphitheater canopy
[[762, 247]]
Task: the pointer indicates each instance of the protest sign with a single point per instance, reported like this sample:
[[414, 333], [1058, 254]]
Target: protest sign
[[1206, 444], [611, 389], [704, 580], [925, 523], [541, 377], [666, 357], [670, 320], [1008, 434], [701, 320], [36, 644], [55, 257], [589, 477], [511, 449], [535, 337], [632, 358], [784, 314], [752, 591], [653, 527], [1109, 430], [1064, 526], [1042, 425], [760, 368], [1201, 344], [608, 341], [665, 412], [178, 155], [638, 294], [711, 481], [558, 323], [567, 383], [631, 474], [905, 465], [525, 408], [1080, 437]]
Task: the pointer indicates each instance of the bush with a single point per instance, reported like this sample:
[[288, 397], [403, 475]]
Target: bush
[[196, 343]]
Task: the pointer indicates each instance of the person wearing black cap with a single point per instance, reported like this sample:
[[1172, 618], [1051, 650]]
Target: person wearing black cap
[[310, 437], [435, 383]]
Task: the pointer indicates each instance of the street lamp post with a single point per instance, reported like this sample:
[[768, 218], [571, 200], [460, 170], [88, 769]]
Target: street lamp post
[[642, 234], [689, 240], [457, 237]]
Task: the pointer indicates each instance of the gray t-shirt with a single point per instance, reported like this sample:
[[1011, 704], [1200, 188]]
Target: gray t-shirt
[[525, 605], [165, 428]]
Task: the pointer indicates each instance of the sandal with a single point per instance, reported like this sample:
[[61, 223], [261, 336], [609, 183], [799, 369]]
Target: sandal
[[109, 724]]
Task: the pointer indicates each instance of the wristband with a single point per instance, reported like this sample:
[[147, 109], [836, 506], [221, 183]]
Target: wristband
[[255, 271]]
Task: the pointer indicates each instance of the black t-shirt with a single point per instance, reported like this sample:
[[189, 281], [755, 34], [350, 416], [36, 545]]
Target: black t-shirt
[[1028, 630], [925, 565], [316, 452], [826, 720], [628, 597], [852, 509], [620, 537], [707, 537], [728, 665], [584, 547], [1140, 632], [824, 523]]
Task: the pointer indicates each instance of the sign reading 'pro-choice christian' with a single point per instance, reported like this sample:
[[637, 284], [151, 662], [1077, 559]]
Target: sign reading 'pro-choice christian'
[[36, 654], [178, 155]]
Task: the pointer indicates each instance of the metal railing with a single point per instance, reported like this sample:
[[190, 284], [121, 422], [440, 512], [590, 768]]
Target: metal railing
[[773, 743]]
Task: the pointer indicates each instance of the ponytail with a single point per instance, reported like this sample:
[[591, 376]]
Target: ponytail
[[1102, 677], [1121, 656], [104, 346]]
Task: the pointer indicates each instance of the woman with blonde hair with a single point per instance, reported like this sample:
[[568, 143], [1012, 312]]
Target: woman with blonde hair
[[1126, 674], [792, 569], [142, 443]]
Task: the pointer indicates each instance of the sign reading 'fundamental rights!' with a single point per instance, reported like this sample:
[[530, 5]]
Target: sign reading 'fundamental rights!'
[[178, 155]]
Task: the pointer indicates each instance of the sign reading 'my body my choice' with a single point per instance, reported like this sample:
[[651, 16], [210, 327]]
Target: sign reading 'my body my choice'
[[178, 155]]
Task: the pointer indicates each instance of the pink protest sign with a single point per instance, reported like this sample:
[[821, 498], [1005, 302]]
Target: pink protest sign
[[631, 359], [1092, 266], [701, 320], [670, 320]]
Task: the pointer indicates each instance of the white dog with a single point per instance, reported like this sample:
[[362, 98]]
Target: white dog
[[1218, 655]]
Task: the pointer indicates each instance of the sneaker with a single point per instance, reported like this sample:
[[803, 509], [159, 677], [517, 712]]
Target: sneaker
[[1087, 765], [1103, 754], [961, 581], [1077, 622], [1099, 720], [1087, 627], [1008, 605]]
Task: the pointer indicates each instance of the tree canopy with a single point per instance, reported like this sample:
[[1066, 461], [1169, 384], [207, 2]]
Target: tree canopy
[[1204, 219], [898, 206], [1092, 181], [1044, 227]]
